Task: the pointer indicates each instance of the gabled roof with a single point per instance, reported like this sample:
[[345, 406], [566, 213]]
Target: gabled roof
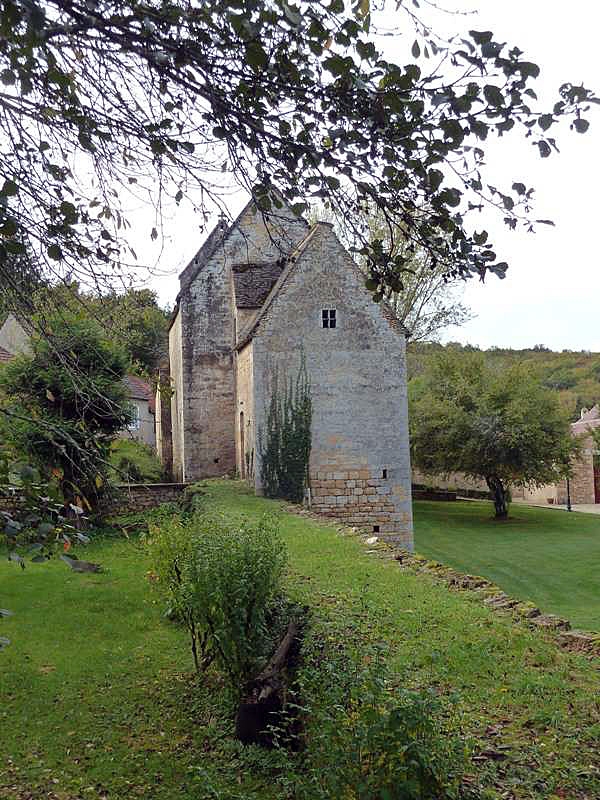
[[293, 259], [253, 282], [218, 236]]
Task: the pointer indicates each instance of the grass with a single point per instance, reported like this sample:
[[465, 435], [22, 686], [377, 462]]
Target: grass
[[97, 697], [547, 556]]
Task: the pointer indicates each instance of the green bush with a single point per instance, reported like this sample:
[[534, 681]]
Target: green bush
[[135, 462], [366, 739], [220, 578]]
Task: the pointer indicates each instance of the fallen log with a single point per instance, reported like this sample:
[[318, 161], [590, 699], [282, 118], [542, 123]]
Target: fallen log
[[265, 700]]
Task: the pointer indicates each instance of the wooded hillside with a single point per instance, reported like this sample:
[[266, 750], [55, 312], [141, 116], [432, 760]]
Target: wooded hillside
[[574, 375]]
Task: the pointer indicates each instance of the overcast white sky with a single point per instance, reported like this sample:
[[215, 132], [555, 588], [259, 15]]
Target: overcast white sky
[[552, 290]]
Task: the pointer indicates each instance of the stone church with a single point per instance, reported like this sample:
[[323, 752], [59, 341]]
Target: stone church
[[264, 296]]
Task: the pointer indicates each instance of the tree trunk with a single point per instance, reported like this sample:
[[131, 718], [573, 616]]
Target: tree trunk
[[499, 496], [266, 699]]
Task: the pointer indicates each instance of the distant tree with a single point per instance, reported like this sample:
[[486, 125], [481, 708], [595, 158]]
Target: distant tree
[[62, 406], [488, 422], [425, 297]]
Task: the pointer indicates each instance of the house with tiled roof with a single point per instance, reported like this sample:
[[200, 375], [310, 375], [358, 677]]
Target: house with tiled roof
[[14, 339], [265, 297]]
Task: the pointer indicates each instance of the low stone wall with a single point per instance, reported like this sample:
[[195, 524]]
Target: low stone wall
[[133, 497], [424, 493]]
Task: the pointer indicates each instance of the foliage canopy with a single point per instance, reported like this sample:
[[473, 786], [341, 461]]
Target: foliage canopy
[[497, 424], [169, 99], [63, 405]]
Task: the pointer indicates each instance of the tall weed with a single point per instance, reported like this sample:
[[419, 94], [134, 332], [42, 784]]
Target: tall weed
[[220, 578]]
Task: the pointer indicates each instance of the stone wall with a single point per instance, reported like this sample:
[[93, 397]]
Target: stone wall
[[459, 483], [581, 484], [205, 377], [142, 496], [175, 360], [164, 433], [245, 437], [358, 376]]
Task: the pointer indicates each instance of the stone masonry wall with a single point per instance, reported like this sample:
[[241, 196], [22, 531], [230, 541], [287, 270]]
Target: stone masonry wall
[[245, 406], [358, 376], [582, 483], [207, 314], [142, 496], [176, 368]]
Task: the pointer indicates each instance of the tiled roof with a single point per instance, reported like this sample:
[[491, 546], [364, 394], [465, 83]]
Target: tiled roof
[[253, 282], [137, 388], [5, 355]]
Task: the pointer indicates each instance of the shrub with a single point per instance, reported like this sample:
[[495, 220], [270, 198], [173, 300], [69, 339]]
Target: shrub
[[220, 578], [368, 740]]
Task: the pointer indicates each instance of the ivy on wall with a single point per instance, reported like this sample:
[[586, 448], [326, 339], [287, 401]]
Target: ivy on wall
[[285, 452]]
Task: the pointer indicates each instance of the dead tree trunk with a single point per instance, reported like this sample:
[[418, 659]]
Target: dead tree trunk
[[265, 701]]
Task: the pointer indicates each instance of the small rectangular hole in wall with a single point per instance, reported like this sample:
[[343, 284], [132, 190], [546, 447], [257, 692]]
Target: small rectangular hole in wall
[[375, 528], [384, 474], [329, 318]]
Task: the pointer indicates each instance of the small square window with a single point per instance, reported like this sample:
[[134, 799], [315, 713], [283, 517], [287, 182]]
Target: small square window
[[375, 528], [329, 318]]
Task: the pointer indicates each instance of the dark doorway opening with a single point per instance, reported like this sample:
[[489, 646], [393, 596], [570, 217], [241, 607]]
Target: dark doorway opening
[[242, 447]]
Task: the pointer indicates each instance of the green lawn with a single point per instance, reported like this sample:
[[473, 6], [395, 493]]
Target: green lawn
[[544, 555], [98, 700]]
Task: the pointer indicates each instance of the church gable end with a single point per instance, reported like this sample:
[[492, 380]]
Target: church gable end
[[355, 356]]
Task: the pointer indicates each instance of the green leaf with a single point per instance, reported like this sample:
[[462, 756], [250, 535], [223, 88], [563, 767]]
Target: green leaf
[[337, 65], [581, 125], [7, 76], [435, 178], [528, 69], [493, 95], [544, 149], [519, 188], [10, 188], [45, 529], [54, 252], [481, 37], [256, 56], [545, 121], [9, 228]]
